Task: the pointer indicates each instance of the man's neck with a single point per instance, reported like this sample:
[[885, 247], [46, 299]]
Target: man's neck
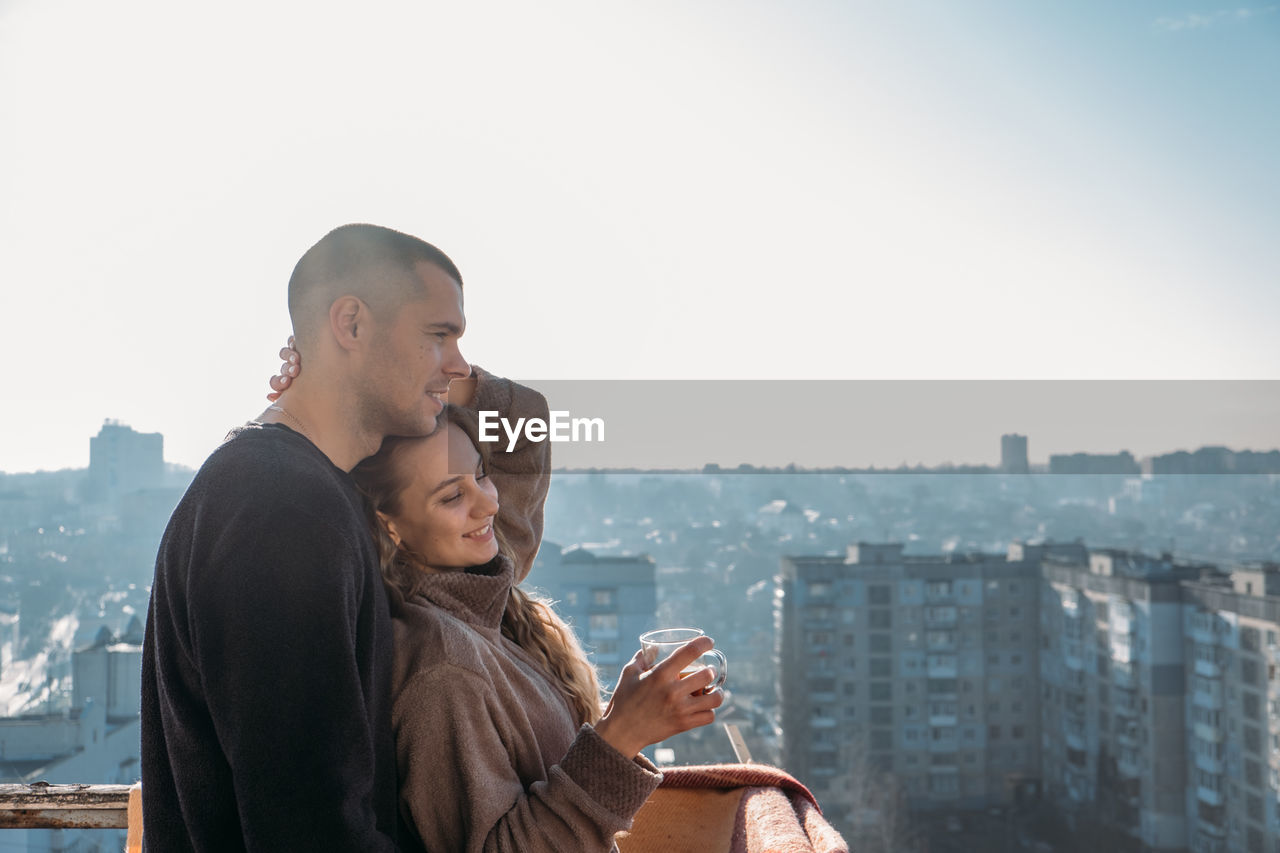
[[325, 423]]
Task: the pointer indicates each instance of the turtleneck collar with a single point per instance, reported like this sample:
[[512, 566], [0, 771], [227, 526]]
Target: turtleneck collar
[[477, 596]]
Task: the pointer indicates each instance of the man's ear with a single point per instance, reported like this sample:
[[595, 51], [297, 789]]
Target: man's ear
[[390, 527], [349, 320]]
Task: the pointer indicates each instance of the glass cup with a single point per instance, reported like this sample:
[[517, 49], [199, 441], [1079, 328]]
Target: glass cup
[[657, 646]]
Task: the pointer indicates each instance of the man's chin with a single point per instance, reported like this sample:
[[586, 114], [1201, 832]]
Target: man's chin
[[417, 427]]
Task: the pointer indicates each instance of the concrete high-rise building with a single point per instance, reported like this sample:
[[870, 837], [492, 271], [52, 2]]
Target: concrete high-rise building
[[609, 600], [1232, 643], [1013, 454], [122, 461], [1113, 681], [925, 667]]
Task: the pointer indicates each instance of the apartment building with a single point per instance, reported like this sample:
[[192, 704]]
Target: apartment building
[[609, 600], [1231, 633], [1113, 671], [924, 667]]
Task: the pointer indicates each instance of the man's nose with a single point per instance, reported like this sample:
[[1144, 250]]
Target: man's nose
[[455, 366]]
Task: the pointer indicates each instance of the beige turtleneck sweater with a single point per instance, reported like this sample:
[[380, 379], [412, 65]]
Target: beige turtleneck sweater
[[489, 753]]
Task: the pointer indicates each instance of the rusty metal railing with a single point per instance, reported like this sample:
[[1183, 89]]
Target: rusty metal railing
[[44, 806]]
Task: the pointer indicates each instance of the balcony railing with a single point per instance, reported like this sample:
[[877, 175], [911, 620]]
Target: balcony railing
[[45, 806]]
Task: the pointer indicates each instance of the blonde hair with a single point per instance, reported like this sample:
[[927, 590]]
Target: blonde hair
[[528, 621]]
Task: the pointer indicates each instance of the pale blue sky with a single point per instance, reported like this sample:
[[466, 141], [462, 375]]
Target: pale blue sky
[[701, 189]]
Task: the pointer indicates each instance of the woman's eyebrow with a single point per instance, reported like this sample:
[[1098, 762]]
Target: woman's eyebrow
[[445, 484]]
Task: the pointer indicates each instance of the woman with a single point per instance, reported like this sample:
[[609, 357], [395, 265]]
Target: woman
[[501, 744]]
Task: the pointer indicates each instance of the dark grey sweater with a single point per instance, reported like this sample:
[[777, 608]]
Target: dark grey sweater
[[267, 661]]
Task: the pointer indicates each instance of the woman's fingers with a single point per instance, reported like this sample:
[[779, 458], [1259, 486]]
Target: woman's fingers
[[684, 656]]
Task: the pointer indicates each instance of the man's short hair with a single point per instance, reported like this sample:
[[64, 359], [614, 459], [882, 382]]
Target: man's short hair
[[371, 262]]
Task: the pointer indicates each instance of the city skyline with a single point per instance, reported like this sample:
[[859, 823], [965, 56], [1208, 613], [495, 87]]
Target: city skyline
[[886, 425]]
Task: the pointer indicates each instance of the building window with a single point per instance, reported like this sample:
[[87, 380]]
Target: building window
[[602, 623], [943, 783], [604, 598], [937, 589], [878, 594], [881, 644], [881, 715], [819, 589], [881, 691], [1249, 671], [881, 619], [993, 733]]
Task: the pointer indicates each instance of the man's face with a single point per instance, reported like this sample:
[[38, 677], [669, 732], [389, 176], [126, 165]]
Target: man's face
[[414, 357]]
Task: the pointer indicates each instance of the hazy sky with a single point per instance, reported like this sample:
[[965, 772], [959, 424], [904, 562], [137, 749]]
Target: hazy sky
[[655, 190]]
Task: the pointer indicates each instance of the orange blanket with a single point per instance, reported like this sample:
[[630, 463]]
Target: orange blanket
[[731, 808]]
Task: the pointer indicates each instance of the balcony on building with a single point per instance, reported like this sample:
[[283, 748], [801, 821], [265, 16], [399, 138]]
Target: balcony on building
[[1209, 758], [1207, 692], [941, 666], [940, 617], [1206, 842], [1209, 660], [1204, 627], [1124, 702], [1129, 762], [939, 592], [1212, 820], [1123, 675], [1072, 659], [1121, 618], [943, 640], [1209, 795], [822, 722], [1208, 732], [944, 740]]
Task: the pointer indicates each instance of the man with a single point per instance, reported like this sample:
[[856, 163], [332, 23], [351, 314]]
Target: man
[[266, 665]]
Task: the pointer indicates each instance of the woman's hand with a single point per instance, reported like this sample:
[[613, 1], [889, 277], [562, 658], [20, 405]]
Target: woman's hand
[[649, 707], [290, 368]]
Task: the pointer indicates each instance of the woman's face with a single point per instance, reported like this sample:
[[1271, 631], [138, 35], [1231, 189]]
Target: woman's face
[[445, 518]]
